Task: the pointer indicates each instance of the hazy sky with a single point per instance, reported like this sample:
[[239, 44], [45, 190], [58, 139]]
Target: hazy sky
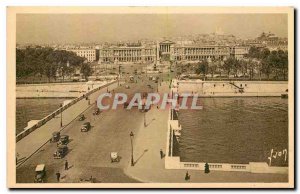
[[68, 28]]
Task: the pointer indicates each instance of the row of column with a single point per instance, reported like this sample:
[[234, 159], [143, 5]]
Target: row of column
[[127, 59], [127, 53], [195, 51], [165, 48]]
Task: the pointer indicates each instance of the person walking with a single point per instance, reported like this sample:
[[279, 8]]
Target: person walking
[[57, 176], [66, 165], [187, 176], [161, 154]]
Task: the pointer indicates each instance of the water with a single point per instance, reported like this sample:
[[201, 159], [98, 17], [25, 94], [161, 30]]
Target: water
[[234, 130], [34, 109]]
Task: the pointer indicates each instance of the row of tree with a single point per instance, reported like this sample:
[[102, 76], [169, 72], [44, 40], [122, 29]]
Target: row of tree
[[259, 61], [48, 62]]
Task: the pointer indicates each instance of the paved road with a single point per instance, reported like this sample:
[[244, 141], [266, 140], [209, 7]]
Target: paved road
[[89, 153], [29, 144]]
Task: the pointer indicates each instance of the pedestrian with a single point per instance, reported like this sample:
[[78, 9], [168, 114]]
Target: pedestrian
[[161, 154], [57, 176], [66, 165], [91, 179], [187, 176]]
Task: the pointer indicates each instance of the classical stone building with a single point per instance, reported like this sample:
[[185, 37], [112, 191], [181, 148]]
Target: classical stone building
[[169, 51], [125, 54], [88, 53]]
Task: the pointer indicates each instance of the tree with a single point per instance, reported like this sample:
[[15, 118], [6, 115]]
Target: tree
[[269, 62], [86, 70], [212, 68], [283, 62], [254, 53], [220, 67], [244, 67], [274, 61], [266, 67], [251, 66], [206, 168], [231, 64], [44, 61], [236, 67], [50, 70], [202, 68], [264, 53]]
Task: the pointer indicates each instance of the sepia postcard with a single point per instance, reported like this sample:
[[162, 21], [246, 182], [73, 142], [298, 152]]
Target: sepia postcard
[[150, 97]]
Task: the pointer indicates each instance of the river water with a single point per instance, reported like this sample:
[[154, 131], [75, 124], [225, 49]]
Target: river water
[[234, 130], [34, 109]]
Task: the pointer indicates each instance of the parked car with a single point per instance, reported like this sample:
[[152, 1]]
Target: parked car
[[61, 151], [86, 127], [64, 140], [40, 173], [114, 157], [81, 117], [55, 137], [96, 111]]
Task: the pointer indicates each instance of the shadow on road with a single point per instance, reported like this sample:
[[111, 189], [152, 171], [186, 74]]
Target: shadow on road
[[146, 150], [147, 124]]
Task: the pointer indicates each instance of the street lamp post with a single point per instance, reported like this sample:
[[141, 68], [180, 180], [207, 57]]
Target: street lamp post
[[145, 125], [131, 138], [61, 124], [119, 74]]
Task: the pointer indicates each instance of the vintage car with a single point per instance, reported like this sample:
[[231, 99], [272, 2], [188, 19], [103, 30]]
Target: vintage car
[[96, 111], [64, 140], [40, 173], [55, 137], [86, 127], [61, 151], [114, 157], [81, 117]]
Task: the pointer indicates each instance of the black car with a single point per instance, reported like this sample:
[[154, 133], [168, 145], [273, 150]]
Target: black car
[[86, 127]]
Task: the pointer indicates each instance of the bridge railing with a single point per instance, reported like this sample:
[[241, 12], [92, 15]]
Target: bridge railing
[[43, 121]]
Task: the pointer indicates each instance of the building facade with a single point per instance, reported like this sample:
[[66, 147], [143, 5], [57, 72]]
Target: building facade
[[161, 51], [124, 54], [88, 53], [239, 52], [168, 50]]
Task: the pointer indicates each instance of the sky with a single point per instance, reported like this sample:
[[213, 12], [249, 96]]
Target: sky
[[76, 28]]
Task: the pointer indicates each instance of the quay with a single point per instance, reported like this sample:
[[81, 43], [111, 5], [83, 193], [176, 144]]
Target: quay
[[231, 88]]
